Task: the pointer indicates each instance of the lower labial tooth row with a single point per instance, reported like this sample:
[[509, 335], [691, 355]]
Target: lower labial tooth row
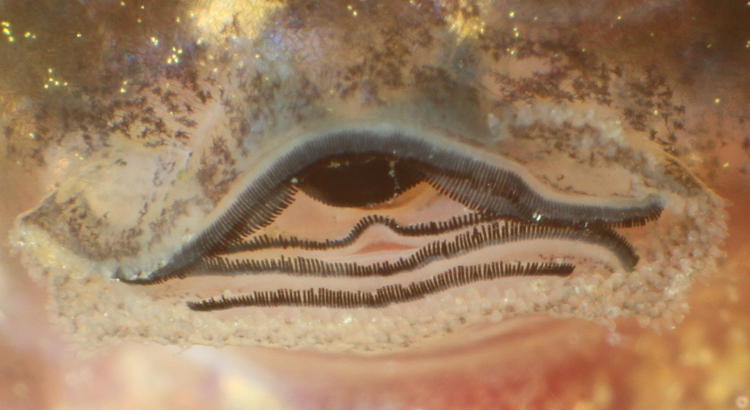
[[597, 297], [473, 239], [386, 295]]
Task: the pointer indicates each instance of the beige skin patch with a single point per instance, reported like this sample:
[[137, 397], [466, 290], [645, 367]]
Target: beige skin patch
[[198, 120]]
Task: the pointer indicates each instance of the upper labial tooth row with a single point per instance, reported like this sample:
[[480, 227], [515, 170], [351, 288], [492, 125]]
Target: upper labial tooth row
[[502, 192], [226, 230]]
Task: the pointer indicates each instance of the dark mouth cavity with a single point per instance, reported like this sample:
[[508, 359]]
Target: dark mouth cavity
[[360, 169], [359, 180]]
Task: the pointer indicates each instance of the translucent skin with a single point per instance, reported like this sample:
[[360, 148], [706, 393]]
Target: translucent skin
[[703, 363]]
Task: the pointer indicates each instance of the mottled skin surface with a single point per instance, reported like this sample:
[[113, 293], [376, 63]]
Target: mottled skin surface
[[691, 57]]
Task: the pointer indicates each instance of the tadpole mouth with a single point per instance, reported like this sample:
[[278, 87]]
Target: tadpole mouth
[[505, 207]]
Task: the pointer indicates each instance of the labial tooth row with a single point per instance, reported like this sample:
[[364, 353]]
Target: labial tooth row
[[230, 228], [480, 236], [506, 194], [386, 295], [418, 229]]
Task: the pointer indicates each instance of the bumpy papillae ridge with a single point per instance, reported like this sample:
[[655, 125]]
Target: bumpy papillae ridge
[[386, 295]]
